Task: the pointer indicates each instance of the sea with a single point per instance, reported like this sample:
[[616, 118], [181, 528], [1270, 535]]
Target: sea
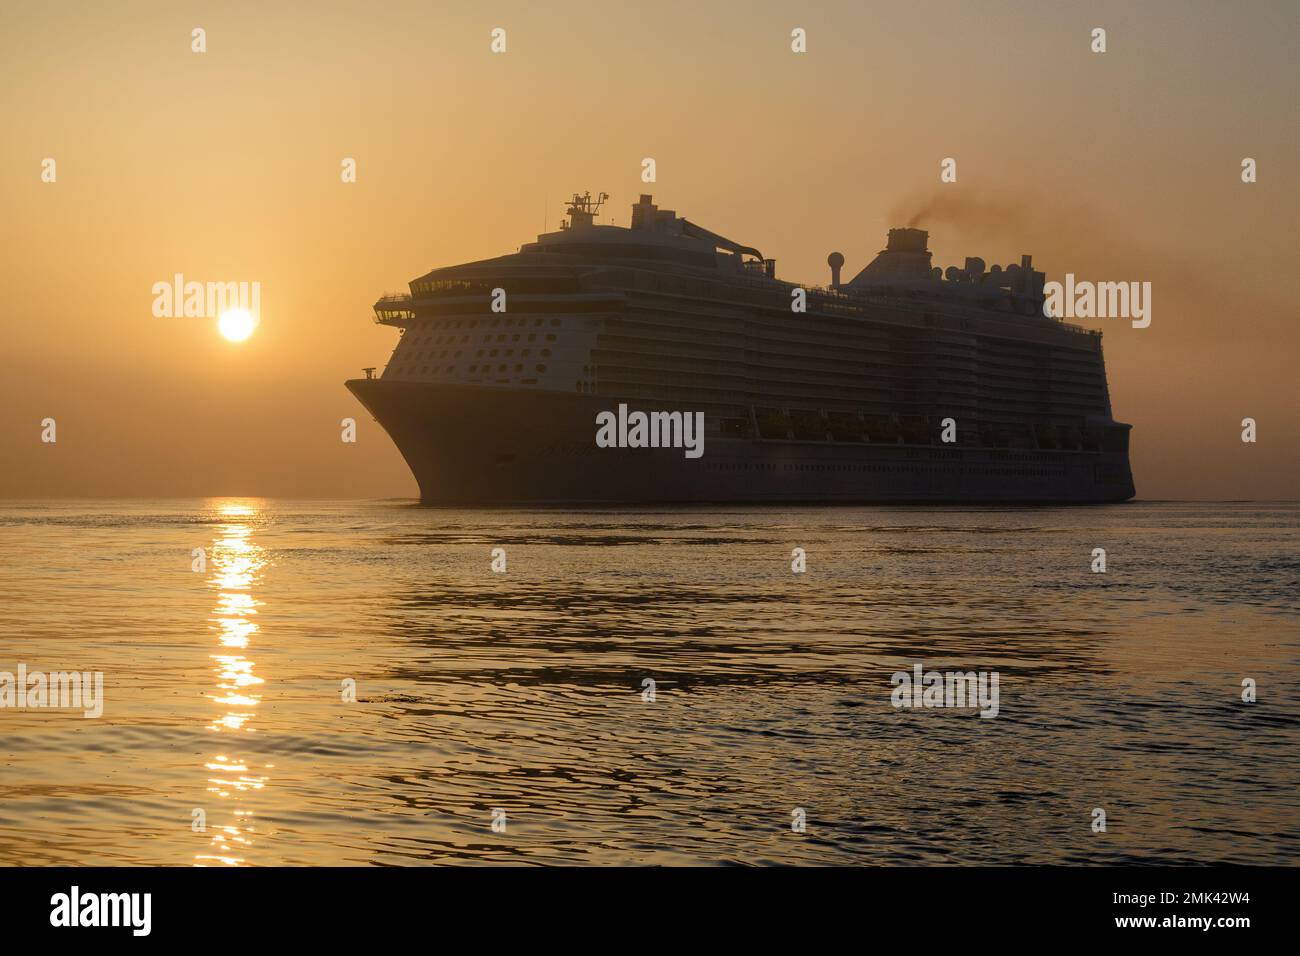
[[291, 683]]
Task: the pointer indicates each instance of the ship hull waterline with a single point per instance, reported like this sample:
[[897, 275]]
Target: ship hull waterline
[[477, 446]]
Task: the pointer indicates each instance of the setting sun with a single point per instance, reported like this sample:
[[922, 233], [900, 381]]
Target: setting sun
[[236, 324]]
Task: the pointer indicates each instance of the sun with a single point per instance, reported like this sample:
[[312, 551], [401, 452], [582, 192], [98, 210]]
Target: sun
[[236, 324]]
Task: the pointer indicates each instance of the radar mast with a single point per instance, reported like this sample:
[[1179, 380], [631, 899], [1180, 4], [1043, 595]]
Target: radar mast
[[583, 209]]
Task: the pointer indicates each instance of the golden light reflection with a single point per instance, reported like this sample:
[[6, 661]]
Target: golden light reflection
[[236, 565]]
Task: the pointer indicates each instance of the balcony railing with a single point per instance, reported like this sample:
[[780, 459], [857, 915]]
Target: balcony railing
[[394, 307]]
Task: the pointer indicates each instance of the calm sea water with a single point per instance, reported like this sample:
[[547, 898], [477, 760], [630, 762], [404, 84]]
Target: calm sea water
[[522, 691]]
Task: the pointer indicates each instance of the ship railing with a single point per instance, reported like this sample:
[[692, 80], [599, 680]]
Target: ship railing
[[827, 292], [1079, 329], [921, 305]]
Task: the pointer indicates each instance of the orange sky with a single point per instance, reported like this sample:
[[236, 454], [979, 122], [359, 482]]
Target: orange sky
[[225, 166]]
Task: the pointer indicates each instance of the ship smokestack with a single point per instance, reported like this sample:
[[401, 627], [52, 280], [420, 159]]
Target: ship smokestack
[[836, 262], [905, 258], [908, 240]]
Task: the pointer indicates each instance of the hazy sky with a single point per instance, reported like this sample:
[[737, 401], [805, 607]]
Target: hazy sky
[[225, 166]]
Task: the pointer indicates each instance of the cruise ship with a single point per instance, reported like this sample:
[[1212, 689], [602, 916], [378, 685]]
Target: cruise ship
[[905, 383]]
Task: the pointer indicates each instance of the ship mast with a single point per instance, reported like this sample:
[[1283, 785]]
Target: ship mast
[[583, 209]]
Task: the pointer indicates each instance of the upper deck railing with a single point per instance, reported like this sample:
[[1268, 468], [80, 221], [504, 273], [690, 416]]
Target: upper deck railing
[[400, 306], [918, 303]]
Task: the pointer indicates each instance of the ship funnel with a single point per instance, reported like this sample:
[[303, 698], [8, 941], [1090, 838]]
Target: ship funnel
[[907, 240], [836, 262], [905, 258]]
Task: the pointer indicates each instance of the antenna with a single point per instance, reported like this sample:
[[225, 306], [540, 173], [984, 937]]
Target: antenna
[[583, 209]]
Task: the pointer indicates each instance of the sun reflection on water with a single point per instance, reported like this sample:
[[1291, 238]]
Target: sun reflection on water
[[236, 566]]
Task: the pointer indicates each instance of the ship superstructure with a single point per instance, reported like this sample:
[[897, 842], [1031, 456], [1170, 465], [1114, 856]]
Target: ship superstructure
[[503, 364]]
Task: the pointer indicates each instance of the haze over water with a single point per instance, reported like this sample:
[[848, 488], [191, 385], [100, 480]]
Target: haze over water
[[522, 690]]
